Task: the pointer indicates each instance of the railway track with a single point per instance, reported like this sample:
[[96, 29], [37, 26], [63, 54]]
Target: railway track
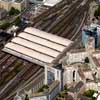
[[50, 11], [30, 83], [77, 40], [14, 72], [18, 80], [63, 21], [60, 14]]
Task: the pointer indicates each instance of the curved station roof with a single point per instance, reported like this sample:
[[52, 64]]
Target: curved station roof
[[37, 46]]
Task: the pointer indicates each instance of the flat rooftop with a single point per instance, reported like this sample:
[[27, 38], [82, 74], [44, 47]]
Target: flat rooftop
[[37, 46], [51, 2], [17, 1]]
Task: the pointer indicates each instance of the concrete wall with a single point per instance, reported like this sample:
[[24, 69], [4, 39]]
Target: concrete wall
[[68, 75], [91, 85], [76, 57]]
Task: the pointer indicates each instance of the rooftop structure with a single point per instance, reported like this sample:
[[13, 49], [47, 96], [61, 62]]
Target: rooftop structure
[[91, 31], [17, 4], [37, 46], [46, 2], [51, 2]]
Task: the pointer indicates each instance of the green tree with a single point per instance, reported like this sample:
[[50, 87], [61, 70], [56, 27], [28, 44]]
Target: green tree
[[66, 88], [26, 97], [86, 60], [17, 71], [43, 87], [5, 25], [17, 21], [97, 12], [89, 93], [14, 11]]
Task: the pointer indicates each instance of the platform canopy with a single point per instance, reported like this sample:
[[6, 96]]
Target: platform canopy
[[51, 2], [37, 46]]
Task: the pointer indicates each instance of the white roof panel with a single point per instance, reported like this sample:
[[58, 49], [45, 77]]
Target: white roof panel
[[50, 37], [36, 47], [36, 61], [29, 52], [51, 2], [42, 41]]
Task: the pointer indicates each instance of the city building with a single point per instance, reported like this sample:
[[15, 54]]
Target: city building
[[76, 69], [40, 48], [98, 1], [49, 94], [91, 31], [73, 69], [17, 4]]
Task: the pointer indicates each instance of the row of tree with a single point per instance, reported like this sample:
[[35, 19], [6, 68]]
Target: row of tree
[[17, 20], [5, 25]]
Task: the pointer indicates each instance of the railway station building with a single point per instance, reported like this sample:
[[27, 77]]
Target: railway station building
[[40, 48], [37, 46]]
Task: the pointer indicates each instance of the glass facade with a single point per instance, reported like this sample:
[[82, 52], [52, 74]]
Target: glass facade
[[90, 33]]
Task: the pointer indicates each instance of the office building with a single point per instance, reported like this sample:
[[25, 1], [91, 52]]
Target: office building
[[17, 4]]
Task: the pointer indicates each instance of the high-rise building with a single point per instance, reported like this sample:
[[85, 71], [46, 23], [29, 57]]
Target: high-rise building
[[91, 31]]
